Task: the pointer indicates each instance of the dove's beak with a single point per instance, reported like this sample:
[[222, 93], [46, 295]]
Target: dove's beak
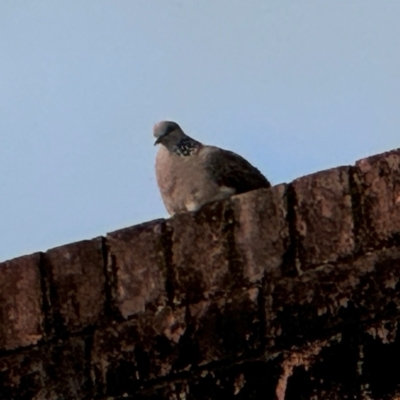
[[158, 141]]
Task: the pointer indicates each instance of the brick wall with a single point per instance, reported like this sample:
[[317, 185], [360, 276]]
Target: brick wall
[[283, 293]]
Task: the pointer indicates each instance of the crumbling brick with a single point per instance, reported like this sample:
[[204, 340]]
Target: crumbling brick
[[324, 218], [76, 285], [200, 254], [378, 180], [21, 313], [261, 231], [137, 263]]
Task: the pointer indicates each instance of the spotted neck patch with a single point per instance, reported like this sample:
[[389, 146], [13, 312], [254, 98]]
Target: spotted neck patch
[[186, 147]]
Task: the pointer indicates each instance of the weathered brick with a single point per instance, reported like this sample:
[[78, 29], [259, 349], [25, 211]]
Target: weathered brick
[[137, 259], [261, 230], [324, 218], [128, 354], [224, 328], [76, 281], [49, 372], [378, 178], [152, 346], [359, 362], [21, 313], [249, 380], [309, 306], [200, 253]]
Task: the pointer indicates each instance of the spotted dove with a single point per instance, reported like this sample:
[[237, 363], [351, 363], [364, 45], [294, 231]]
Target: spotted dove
[[191, 174]]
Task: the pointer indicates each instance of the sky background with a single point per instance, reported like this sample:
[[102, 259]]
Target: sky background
[[293, 86]]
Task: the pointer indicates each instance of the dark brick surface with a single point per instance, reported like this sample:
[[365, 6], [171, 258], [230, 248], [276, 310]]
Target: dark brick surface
[[225, 328], [137, 260], [127, 354], [21, 316], [378, 178], [261, 231], [245, 381], [354, 364], [324, 218], [50, 372], [332, 297], [201, 252], [358, 363], [76, 283]]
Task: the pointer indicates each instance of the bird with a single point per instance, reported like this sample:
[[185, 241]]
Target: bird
[[191, 174]]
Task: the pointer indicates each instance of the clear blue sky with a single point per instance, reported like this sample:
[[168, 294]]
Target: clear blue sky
[[294, 86]]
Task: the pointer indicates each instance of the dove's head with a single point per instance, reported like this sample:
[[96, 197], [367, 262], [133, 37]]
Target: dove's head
[[167, 133]]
